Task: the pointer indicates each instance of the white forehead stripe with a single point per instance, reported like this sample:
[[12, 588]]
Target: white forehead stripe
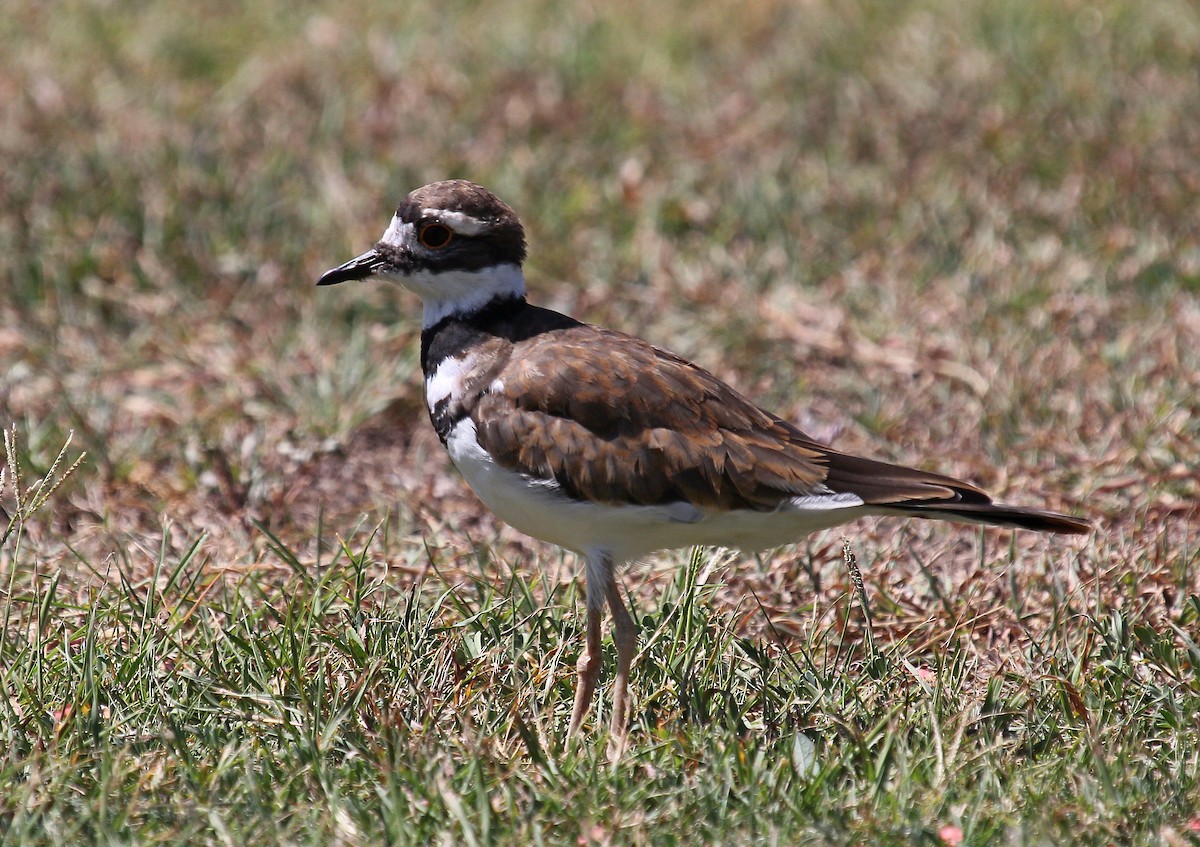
[[398, 233], [460, 222]]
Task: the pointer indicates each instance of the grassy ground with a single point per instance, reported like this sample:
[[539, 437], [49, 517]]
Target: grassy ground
[[263, 606]]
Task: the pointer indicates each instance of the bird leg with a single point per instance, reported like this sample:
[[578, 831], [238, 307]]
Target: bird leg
[[625, 638], [588, 667], [602, 588]]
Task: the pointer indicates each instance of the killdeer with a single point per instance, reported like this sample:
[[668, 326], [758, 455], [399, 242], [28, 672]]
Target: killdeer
[[610, 447]]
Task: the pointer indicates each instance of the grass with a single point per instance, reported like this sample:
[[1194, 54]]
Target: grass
[[295, 704], [263, 606]]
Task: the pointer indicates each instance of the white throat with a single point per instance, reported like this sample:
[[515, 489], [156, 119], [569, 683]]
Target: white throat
[[463, 292], [453, 292]]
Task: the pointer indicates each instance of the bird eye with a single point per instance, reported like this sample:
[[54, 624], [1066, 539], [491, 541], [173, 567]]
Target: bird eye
[[435, 236]]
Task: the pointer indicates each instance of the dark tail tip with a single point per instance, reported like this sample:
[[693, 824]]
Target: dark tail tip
[[998, 514]]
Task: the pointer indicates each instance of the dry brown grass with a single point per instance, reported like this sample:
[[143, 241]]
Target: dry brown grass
[[959, 235], [934, 246]]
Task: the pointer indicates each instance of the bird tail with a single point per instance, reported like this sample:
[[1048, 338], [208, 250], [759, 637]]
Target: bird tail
[[895, 490], [997, 514]]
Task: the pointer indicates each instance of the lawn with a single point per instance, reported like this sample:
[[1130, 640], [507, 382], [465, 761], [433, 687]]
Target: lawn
[[245, 598]]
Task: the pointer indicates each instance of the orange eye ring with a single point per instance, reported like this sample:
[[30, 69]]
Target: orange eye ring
[[435, 236]]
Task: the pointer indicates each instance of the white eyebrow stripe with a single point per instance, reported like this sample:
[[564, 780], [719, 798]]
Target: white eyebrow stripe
[[460, 222]]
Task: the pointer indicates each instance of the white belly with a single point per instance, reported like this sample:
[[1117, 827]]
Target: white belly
[[625, 533]]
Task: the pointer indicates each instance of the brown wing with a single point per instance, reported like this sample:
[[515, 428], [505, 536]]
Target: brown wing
[[681, 434], [678, 434]]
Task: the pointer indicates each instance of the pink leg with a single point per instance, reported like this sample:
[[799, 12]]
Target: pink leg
[[625, 638], [588, 667]]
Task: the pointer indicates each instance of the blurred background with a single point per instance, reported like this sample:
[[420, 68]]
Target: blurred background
[[963, 235], [959, 234]]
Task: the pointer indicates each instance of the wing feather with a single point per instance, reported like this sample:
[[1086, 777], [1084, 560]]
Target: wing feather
[[679, 434]]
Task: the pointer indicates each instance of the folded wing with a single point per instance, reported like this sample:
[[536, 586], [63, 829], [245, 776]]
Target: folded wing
[[681, 434]]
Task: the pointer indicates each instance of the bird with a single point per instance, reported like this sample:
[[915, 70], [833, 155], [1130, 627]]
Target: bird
[[600, 443]]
